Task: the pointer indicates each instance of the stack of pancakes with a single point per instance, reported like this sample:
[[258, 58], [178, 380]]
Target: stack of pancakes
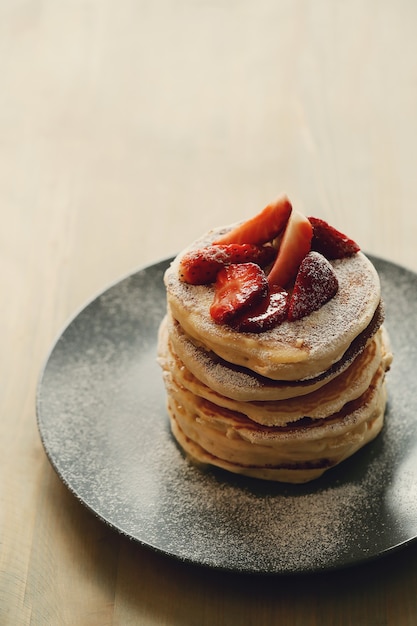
[[285, 404]]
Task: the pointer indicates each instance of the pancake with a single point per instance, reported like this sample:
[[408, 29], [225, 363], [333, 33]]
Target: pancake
[[283, 404], [241, 383], [318, 404], [294, 350], [214, 436]]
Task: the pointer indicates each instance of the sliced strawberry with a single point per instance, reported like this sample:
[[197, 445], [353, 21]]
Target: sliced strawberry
[[316, 283], [330, 242], [267, 315], [200, 267], [264, 227], [237, 288], [295, 244]]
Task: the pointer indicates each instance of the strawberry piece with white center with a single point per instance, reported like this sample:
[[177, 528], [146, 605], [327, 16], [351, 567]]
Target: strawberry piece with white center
[[265, 226], [316, 284], [269, 314], [236, 290], [295, 244], [330, 242], [200, 267]]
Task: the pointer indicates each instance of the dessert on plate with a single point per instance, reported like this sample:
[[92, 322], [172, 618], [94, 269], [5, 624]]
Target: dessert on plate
[[273, 348]]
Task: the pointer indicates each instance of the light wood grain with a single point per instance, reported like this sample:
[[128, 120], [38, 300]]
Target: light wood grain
[[127, 129]]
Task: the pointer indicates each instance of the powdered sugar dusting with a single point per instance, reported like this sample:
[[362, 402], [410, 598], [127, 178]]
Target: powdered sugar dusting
[[292, 350], [225, 520]]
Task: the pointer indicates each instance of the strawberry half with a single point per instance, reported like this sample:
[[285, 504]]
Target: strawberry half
[[200, 267], [265, 226], [267, 315], [237, 289], [330, 242], [316, 284], [295, 244]]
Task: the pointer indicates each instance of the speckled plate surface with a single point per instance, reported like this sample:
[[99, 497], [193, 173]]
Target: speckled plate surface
[[103, 423]]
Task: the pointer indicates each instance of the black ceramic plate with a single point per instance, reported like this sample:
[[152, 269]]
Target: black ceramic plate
[[103, 423]]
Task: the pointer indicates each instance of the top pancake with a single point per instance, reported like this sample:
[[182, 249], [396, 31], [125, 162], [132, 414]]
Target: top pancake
[[296, 350]]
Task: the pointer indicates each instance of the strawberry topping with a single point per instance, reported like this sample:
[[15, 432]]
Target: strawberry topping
[[330, 242], [295, 244], [295, 249], [315, 284], [265, 226], [200, 267], [236, 290], [271, 312]]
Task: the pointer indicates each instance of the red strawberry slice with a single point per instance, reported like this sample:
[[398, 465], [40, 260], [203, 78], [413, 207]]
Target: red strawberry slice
[[316, 283], [264, 227], [330, 242], [267, 315], [237, 289], [200, 267], [295, 244]]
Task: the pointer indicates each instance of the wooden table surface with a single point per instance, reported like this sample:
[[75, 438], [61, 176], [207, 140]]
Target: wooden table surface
[[127, 129]]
